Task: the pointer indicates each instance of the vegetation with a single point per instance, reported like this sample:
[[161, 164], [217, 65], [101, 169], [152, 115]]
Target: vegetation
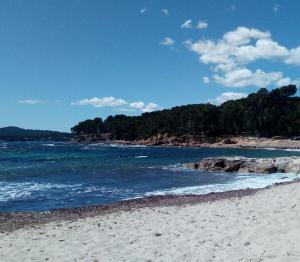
[[12, 133], [275, 113]]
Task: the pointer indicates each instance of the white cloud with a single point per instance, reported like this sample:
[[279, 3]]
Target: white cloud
[[243, 35], [30, 101], [187, 24], [165, 12], [167, 41], [235, 48], [143, 10], [202, 25], [228, 96], [206, 80], [144, 107], [211, 52], [294, 56], [101, 102], [120, 103], [230, 55], [243, 77], [150, 107], [286, 81], [137, 105], [276, 8], [263, 49]]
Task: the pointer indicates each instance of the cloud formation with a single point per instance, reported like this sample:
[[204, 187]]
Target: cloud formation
[[167, 41], [144, 107], [187, 24], [242, 77], [236, 49], [150, 107], [137, 105], [206, 80], [228, 96], [101, 102], [202, 25], [117, 102], [30, 101]]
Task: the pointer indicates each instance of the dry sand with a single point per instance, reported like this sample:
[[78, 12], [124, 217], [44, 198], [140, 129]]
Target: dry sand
[[264, 226]]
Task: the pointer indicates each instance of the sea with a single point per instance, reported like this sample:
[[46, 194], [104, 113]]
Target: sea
[[42, 176]]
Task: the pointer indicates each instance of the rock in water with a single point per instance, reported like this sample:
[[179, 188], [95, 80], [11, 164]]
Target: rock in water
[[249, 165]]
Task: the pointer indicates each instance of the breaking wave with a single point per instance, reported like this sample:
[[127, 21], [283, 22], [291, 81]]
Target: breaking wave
[[240, 182]]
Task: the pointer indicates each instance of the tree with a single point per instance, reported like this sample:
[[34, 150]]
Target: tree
[[275, 113]]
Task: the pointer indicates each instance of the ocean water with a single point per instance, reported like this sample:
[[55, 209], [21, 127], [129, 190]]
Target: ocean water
[[48, 175]]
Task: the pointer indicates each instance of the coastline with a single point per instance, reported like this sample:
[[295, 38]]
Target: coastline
[[219, 142], [11, 221], [246, 225], [259, 225]]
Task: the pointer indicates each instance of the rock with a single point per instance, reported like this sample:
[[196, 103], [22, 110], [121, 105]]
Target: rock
[[293, 166], [249, 165], [229, 141]]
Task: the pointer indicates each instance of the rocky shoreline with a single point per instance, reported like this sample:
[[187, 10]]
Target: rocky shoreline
[[11, 221], [248, 165], [218, 142]]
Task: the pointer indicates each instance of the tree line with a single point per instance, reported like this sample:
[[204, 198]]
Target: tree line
[[264, 113]]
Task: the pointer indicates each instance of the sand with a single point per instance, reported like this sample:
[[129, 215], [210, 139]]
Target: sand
[[264, 226]]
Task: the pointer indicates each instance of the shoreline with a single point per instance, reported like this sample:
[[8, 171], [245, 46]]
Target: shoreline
[[250, 226], [219, 142], [12, 221]]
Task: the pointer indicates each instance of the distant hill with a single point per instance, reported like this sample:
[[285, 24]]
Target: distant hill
[[12, 133]]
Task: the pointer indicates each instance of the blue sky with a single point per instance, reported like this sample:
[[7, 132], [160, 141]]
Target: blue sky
[[65, 61]]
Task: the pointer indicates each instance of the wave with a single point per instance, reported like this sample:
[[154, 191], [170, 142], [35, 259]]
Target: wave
[[3, 146], [58, 143], [281, 149], [173, 167], [141, 156], [240, 182], [23, 190], [50, 144], [291, 149], [177, 167], [270, 148], [126, 146], [12, 191], [96, 146]]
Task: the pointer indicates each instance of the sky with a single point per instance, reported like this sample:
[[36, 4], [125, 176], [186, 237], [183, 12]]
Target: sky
[[62, 62]]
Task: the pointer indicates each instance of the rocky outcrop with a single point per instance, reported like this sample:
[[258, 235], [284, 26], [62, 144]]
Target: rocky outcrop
[[249, 165], [164, 139]]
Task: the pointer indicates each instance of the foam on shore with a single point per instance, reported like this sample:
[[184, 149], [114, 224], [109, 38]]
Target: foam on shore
[[242, 181]]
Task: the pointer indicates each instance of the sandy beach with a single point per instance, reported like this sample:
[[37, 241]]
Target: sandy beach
[[261, 226]]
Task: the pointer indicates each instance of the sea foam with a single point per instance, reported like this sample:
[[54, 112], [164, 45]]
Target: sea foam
[[241, 182]]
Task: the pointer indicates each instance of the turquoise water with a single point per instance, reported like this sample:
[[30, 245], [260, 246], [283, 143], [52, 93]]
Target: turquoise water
[[49, 175]]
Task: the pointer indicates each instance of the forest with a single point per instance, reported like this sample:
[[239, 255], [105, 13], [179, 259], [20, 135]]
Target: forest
[[264, 114]]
